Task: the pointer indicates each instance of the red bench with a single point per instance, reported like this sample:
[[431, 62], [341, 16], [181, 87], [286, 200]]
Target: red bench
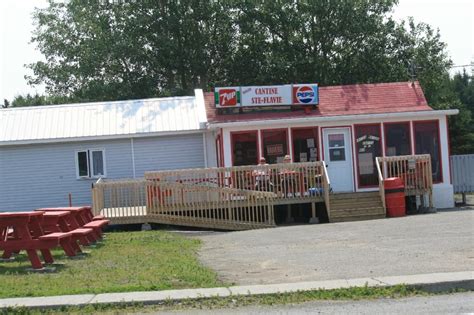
[[97, 227], [65, 221]]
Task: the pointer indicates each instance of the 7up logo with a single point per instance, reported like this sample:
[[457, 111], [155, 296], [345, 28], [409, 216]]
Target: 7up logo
[[226, 97]]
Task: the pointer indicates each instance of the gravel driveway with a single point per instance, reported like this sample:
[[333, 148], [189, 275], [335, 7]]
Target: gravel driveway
[[440, 242]]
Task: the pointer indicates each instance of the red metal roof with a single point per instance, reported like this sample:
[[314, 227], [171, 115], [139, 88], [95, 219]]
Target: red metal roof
[[339, 100]]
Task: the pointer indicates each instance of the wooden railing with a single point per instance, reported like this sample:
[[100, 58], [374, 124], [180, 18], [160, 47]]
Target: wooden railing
[[289, 182], [326, 188], [415, 170], [381, 182], [228, 198], [214, 207], [140, 201], [120, 199]]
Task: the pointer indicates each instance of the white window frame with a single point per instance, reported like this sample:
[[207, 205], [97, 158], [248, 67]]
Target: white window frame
[[90, 163]]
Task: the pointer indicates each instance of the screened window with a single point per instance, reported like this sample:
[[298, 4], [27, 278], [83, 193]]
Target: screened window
[[368, 147], [90, 164], [427, 142], [397, 139], [305, 144], [244, 148], [275, 145]]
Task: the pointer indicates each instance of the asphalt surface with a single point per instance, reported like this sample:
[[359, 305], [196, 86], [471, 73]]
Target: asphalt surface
[[440, 304], [418, 244]]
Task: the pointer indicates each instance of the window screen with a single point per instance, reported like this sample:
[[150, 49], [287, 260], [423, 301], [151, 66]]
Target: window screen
[[275, 145], [244, 148], [305, 144], [427, 142], [368, 148], [397, 139], [98, 163], [83, 165]]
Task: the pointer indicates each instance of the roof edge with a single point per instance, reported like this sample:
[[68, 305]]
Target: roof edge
[[100, 138], [103, 103], [446, 112]]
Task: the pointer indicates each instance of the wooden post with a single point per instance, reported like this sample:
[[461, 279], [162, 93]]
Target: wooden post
[[289, 218], [313, 218]]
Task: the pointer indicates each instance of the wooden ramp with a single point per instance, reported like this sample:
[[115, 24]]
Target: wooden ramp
[[243, 197], [233, 198]]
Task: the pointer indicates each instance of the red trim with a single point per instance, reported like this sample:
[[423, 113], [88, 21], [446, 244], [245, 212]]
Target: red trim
[[232, 144], [357, 155], [350, 141], [439, 145], [397, 123], [303, 128], [354, 166], [449, 150], [262, 131], [220, 149]]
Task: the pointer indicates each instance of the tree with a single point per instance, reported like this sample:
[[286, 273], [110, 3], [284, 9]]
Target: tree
[[112, 50], [38, 100], [133, 49], [462, 125]]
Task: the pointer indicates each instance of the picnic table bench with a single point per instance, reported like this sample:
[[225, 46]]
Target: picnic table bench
[[83, 219]]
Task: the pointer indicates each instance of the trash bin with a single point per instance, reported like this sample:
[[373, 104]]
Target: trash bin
[[395, 197]]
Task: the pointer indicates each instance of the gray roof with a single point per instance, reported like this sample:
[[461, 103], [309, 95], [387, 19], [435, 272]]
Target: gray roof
[[76, 122]]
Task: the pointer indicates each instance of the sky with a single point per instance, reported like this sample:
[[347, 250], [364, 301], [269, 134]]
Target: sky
[[454, 19]]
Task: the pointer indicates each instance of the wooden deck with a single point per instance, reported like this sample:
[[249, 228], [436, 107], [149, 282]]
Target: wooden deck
[[237, 198], [222, 198]]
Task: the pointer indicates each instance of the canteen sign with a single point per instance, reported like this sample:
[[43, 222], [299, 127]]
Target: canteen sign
[[270, 95]]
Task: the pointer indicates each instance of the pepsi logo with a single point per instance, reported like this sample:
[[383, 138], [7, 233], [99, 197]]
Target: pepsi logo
[[305, 95], [227, 97]]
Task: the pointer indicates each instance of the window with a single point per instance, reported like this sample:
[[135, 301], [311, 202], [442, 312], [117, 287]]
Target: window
[[275, 145], [397, 139], [90, 163], [337, 149], [368, 147], [427, 142], [244, 148], [305, 144]]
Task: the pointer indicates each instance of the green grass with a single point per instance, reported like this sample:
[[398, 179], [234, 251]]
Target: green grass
[[125, 261], [362, 293]]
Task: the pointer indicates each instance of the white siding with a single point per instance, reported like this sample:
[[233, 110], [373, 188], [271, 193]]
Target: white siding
[[33, 176], [166, 153]]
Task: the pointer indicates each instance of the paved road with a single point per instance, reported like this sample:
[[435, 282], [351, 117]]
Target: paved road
[[440, 304], [430, 243]]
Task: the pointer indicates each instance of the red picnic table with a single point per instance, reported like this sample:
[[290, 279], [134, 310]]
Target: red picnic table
[[64, 221], [23, 231], [83, 219]]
